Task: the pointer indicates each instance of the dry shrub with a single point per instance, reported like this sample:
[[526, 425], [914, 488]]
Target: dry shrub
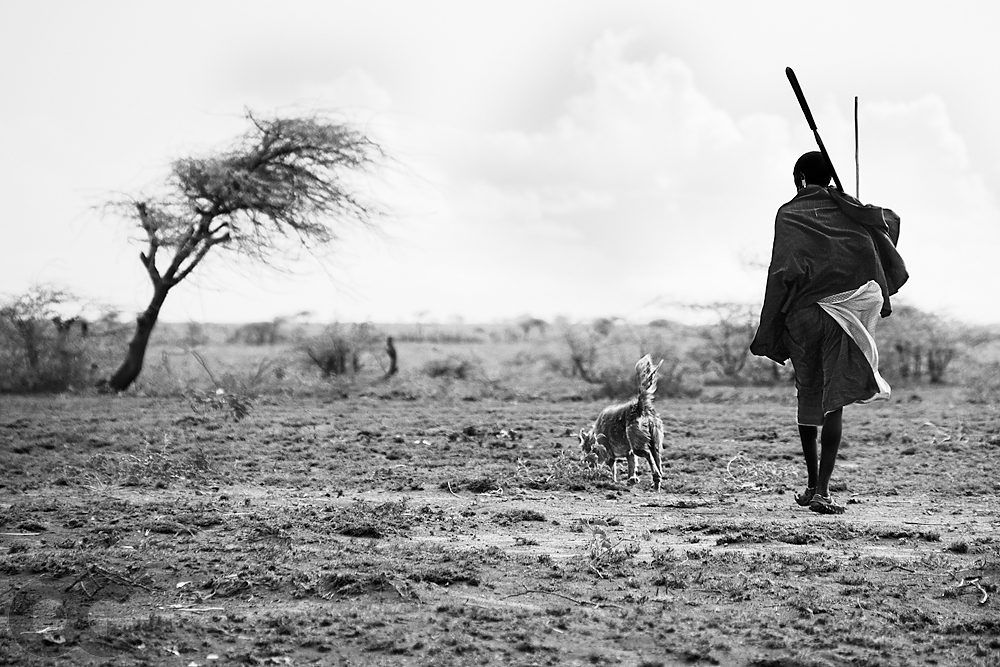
[[604, 355], [566, 472], [342, 350], [42, 350], [453, 367], [220, 401], [153, 466], [234, 392]]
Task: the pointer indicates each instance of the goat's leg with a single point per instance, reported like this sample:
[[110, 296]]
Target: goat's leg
[[656, 450], [632, 477], [644, 442], [652, 457], [613, 464]]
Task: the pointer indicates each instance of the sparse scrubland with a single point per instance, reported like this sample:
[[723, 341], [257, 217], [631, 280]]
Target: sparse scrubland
[[241, 505]]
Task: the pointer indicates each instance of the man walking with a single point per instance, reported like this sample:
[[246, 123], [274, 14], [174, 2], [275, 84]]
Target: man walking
[[834, 266]]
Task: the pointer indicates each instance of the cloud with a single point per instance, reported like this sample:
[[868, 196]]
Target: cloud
[[641, 186], [636, 123]]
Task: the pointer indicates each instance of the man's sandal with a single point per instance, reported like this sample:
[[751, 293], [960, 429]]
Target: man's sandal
[[825, 505], [806, 496]]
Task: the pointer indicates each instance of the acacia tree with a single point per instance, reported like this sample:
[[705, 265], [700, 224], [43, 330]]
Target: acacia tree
[[285, 182]]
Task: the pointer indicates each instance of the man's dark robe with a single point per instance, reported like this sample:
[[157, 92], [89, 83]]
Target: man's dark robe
[[825, 242]]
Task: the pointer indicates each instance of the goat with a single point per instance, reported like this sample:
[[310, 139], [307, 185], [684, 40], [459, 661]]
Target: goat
[[624, 430]]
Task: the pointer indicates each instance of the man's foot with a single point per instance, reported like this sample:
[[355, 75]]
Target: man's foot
[[806, 496], [825, 505]]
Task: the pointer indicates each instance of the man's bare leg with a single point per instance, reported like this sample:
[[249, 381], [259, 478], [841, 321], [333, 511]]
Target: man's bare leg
[[820, 457], [832, 430], [808, 436], [820, 471]]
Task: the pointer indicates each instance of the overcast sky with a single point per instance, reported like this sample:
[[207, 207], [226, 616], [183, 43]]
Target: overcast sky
[[549, 158]]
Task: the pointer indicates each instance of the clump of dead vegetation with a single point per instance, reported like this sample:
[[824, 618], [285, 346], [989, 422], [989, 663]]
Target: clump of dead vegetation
[[397, 572], [155, 465], [482, 484], [220, 401], [365, 519], [510, 517], [339, 585], [233, 396], [745, 474], [607, 557], [564, 472]]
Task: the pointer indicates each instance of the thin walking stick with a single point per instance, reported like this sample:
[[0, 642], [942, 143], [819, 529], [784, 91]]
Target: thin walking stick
[[857, 156]]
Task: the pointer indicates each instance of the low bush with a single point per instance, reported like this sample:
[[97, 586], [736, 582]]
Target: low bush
[[43, 350], [453, 367]]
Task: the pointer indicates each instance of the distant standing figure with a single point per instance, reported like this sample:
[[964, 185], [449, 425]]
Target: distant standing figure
[[834, 266], [390, 350]]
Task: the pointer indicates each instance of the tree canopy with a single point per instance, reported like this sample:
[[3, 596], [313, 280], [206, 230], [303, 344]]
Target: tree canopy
[[286, 183], [285, 179]]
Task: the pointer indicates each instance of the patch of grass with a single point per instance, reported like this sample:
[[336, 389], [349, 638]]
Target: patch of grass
[[899, 533], [464, 572], [153, 466], [364, 519], [564, 472], [746, 474], [357, 584], [516, 516]]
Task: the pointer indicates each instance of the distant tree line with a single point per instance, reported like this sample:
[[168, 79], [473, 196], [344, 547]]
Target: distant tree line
[[915, 347], [47, 344]]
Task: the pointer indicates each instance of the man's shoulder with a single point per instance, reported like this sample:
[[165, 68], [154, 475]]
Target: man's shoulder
[[809, 196], [810, 200]]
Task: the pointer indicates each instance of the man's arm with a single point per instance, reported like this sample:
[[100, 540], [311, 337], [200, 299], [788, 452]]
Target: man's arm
[[768, 340]]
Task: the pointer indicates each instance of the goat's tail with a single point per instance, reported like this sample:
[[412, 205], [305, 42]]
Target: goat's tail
[[646, 372]]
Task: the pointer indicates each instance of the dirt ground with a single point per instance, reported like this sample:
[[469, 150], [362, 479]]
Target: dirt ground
[[365, 531]]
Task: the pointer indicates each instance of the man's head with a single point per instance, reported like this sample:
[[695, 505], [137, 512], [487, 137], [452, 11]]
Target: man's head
[[811, 169]]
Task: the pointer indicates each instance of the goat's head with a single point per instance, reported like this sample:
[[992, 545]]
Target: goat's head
[[594, 453]]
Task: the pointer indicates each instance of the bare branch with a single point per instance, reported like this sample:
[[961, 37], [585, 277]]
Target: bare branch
[[200, 255]]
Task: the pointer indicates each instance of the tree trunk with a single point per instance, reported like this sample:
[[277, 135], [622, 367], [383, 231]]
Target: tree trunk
[[132, 366]]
